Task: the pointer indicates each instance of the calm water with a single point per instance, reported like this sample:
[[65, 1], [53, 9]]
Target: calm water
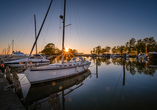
[[109, 84]]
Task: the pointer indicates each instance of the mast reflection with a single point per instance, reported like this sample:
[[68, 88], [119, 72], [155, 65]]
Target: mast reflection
[[51, 91], [123, 71]]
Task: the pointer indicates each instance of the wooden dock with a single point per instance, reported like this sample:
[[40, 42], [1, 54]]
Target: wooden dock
[[8, 99]]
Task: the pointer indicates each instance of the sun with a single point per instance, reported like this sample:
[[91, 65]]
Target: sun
[[66, 49]]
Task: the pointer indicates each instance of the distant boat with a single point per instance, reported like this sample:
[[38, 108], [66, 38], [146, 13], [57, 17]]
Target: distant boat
[[93, 55], [152, 56], [125, 55], [18, 55], [152, 63], [107, 55], [58, 70], [36, 59], [114, 56], [141, 56]]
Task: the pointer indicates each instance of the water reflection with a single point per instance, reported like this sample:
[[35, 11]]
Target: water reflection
[[117, 84], [53, 93], [124, 72], [100, 60], [132, 65]]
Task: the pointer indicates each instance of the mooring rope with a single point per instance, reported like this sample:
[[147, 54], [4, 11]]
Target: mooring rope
[[92, 65], [114, 91], [120, 97]]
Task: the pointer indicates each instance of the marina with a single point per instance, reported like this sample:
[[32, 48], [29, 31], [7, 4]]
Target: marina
[[78, 55], [108, 84]]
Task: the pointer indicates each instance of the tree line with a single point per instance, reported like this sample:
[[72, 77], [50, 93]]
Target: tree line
[[50, 49], [98, 50], [131, 47]]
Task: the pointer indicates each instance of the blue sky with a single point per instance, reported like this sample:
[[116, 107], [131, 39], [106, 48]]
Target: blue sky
[[93, 22]]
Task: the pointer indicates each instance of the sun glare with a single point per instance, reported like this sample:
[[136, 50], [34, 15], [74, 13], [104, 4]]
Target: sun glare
[[66, 49]]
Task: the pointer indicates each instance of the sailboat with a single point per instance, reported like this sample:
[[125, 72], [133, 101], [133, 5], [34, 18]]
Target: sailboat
[[32, 95], [60, 70], [20, 59], [35, 60]]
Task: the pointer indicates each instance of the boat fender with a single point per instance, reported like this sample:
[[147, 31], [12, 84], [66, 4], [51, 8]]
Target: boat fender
[[2, 68], [41, 61], [2, 65]]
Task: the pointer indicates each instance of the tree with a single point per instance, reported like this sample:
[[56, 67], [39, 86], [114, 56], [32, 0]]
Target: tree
[[103, 50], [91, 51], [131, 44], [94, 50], [151, 44], [114, 49], [57, 51], [98, 49], [72, 50], [121, 49], [107, 48], [127, 47], [50, 49], [155, 47], [139, 46]]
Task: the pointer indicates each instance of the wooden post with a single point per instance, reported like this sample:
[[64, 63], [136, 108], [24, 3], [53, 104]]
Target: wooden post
[[124, 72], [17, 86], [9, 76], [96, 68]]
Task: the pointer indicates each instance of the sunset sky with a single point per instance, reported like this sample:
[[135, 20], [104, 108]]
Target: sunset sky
[[93, 22]]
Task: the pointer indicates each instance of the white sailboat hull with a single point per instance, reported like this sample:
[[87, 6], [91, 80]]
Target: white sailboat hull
[[36, 60], [42, 75], [52, 88], [14, 65]]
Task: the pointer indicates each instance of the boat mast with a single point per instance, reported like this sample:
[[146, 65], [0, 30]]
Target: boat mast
[[40, 29], [64, 25], [63, 17], [12, 46], [35, 31]]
